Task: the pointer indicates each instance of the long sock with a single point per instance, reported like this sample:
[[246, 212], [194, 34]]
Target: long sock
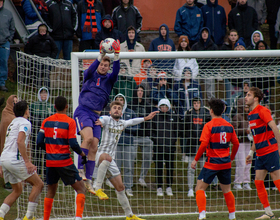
[[48, 202], [4, 210], [262, 192], [89, 169], [80, 203], [277, 184], [80, 165], [102, 170], [31, 208], [124, 203], [230, 201], [201, 200]]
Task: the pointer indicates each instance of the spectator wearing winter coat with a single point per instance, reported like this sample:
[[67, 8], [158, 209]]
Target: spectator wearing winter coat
[[186, 62], [205, 43], [41, 44], [126, 15], [107, 30], [272, 10], [163, 43], [63, 22], [244, 19], [131, 45], [192, 126], [260, 7], [256, 36], [189, 21], [151, 80], [163, 89], [139, 77], [90, 13], [184, 91], [30, 15], [141, 106], [214, 17], [126, 150], [125, 84], [164, 136], [232, 39]]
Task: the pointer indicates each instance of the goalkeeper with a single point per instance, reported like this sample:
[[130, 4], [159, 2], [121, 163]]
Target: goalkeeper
[[94, 96], [112, 130]]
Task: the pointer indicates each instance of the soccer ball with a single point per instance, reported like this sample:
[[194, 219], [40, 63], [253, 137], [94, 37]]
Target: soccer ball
[[106, 45]]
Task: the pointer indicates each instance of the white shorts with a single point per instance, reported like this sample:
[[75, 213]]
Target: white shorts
[[14, 171], [113, 169]]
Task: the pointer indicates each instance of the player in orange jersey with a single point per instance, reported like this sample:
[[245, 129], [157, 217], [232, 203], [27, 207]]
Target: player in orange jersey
[[215, 138], [267, 146]]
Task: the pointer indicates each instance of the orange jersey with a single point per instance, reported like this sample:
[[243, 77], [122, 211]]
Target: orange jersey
[[264, 138], [215, 138], [59, 131]]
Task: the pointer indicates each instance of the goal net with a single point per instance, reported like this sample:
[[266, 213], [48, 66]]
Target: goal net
[[220, 74]]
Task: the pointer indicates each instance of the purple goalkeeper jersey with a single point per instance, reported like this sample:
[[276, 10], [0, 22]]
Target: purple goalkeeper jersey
[[96, 87]]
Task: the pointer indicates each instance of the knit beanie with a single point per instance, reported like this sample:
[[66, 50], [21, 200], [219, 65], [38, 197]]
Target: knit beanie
[[183, 38], [240, 42]]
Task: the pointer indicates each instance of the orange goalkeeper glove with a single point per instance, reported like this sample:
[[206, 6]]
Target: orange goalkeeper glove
[[117, 46]]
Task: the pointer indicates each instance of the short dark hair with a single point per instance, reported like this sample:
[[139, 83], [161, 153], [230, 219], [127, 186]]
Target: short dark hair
[[116, 103], [60, 103], [20, 108], [257, 92], [131, 28], [217, 105], [106, 58]]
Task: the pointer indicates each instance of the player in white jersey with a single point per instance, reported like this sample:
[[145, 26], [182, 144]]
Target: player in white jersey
[[16, 164], [112, 129]]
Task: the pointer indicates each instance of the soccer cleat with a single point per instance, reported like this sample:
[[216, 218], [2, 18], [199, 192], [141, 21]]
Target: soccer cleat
[[82, 174], [266, 216], [88, 185], [247, 186], [169, 191], [191, 193], [1, 218], [237, 187], [129, 192], [142, 182], [134, 217], [159, 192], [101, 195], [25, 218]]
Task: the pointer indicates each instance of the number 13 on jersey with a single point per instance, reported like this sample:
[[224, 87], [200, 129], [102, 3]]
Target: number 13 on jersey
[[223, 137]]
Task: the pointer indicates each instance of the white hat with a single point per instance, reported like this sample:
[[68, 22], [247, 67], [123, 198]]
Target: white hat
[[164, 102]]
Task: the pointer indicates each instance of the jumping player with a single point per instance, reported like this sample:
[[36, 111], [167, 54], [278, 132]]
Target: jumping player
[[112, 129], [56, 134], [215, 138], [94, 96], [16, 163], [266, 144]]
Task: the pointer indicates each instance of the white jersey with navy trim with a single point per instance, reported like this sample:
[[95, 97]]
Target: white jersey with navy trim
[[112, 131], [10, 151]]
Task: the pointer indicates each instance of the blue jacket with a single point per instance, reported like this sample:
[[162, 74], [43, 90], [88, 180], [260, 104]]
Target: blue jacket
[[30, 15], [82, 13], [189, 21], [129, 132], [161, 93], [214, 17], [179, 95]]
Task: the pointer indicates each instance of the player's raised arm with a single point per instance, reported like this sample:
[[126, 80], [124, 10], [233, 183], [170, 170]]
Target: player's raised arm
[[150, 116]]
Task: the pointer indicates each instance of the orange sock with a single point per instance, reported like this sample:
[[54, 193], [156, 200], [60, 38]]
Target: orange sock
[[48, 202], [230, 201], [80, 203], [201, 200], [262, 192], [277, 184]]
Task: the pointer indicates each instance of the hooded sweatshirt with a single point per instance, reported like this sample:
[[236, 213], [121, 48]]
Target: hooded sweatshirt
[[201, 45], [6, 118], [129, 132], [253, 44], [41, 45], [7, 25]]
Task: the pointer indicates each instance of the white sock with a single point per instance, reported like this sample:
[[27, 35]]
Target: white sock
[[231, 215], [202, 215], [101, 173], [78, 218], [31, 208], [4, 210], [268, 211], [124, 203]]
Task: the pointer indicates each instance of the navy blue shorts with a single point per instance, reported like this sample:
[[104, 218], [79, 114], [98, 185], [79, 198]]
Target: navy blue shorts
[[269, 162], [84, 117], [207, 175], [69, 175]]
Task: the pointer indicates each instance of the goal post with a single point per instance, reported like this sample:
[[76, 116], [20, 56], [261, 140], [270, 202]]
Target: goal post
[[220, 74]]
